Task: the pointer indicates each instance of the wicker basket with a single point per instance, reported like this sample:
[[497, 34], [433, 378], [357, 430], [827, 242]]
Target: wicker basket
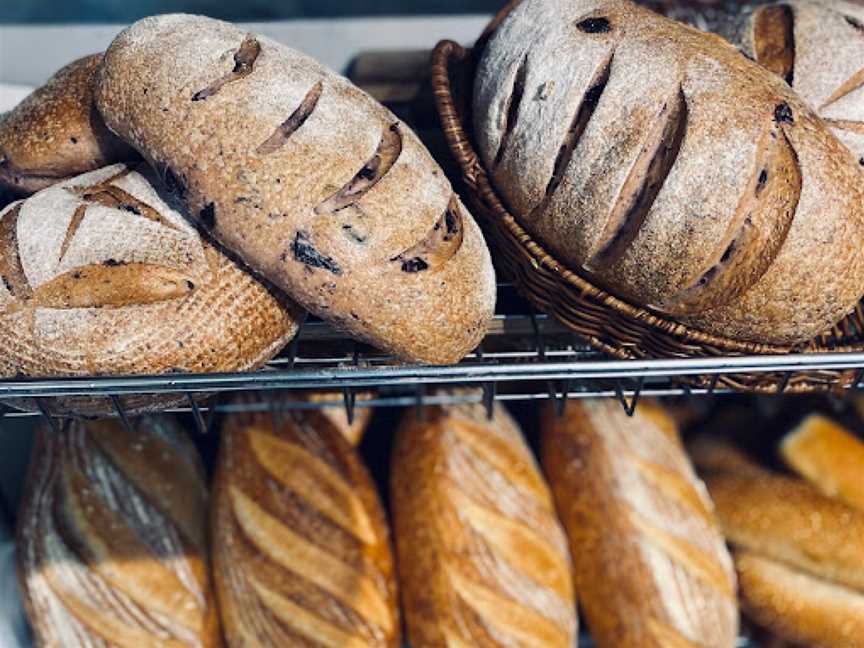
[[606, 322]]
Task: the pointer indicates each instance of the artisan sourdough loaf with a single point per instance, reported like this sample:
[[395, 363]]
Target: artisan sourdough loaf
[[56, 132], [483, 560], [301, 546], [663, 163], [817, 46], [112, 538], [651, 567], [311, 181], [100, 275]]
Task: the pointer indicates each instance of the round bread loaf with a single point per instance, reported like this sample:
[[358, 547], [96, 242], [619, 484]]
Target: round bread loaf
[[661, 162], [56, 132], [817, 46], [99, 275], [311, 181]]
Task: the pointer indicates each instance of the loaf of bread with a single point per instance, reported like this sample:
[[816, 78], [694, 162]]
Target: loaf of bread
[[112, 539], [307, 178], [672, 170], [829, 457], [817, 46], [56, 132], [100, 275], [651, 567], [483, 560], [301, 547]]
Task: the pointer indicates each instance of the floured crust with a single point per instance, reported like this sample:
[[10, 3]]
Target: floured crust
[[101, 276], [112, 547], [483, 561], [56, 132], [315, 185], [671, 169], [651, 567], [301, 546]]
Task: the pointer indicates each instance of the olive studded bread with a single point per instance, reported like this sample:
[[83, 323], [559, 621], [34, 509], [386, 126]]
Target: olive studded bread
[[112, 538], [661, 162], [56, 133], [100, 275], [307, 178]]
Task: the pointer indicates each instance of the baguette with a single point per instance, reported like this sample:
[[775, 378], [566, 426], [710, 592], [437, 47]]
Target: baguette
[[112, 547], [671, 170], [55, 133], [301, 547], [483, 560], [651, 567], [307, 178], [829, 457]]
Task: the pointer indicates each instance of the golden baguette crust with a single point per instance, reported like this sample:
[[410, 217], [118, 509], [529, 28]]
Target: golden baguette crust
[[651, 567], [799, 607], [56, 132], [301, 547], [483, 560], [112, 539], [338, 417], [313, 183], [829, 457], [788, 520], [716, 454]]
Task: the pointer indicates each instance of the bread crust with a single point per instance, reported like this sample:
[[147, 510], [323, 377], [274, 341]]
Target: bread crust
[[101, 275], [56, 132], [112, 543], [483, 560], [301, 546], [651, 567], [308, 179], [672, 170]]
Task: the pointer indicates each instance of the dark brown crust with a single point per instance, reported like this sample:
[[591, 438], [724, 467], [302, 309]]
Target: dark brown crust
[[774, 40], [244, 62], [280, 136], [11, 272]]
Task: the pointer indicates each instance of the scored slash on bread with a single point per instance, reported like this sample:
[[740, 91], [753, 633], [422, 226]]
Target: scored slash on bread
[[301, 548], [675, 172], [112, 538], [651, 567], [483, 560], [307, 178]]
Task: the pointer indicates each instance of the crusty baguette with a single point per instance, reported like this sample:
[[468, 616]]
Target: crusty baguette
[[716, 454], [651, 567], [56, 133], [799, 607], [671, 169], [112, 548], [829, 457], [483, 560], [100, 275], [312, 182], [788, 520], [301, 547]]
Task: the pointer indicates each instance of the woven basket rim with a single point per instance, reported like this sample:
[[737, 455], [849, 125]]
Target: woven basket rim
[[448, 53]]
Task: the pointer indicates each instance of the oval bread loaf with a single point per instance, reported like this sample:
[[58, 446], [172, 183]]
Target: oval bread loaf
[[682, 176], [112, 538], [311, 181], [301, 547], [817, 46], [100, 275], [483, 560], [651, 567], [56, 132]]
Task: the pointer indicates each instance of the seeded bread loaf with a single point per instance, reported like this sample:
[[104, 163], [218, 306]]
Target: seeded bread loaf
[[817, 46], [100, 275], [56, 132], [311, 181], [300, 542], [112, 538], [660, 161], [651, 567], [483, 560]]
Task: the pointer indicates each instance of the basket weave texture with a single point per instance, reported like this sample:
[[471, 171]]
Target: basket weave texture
[[606, 322]]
